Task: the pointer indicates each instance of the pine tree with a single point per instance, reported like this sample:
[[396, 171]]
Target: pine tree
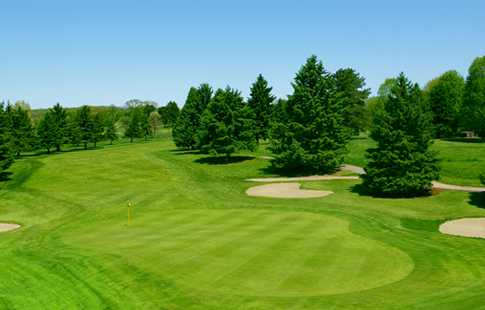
[[21, 132], [473, 112], [133, 123], [225, 126], [445, 98], [59, 125], [46, 132], [260, 100], [187, 126], [6, 153], [351, 91], [97, 129], [85, 125], [402, 164], [313, 138], [111, 119]]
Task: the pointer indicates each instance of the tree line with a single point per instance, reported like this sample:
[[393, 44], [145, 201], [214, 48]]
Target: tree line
[[80, 127], [308, 132]]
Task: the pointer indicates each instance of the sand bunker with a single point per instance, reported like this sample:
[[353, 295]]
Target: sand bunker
[[285, 190], [8, 227], [309, 178], [467, 227]]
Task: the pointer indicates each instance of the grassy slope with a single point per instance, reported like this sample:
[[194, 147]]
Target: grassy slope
[[461, 162], [198, 242]]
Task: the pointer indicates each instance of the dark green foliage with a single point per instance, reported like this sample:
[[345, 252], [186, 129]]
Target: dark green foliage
[[260, 101], [226, 125], [6, 152], [85, 125], [73, 133], [473, 112], [169, 114], [97, 129], [58, 128], [187, 126], [111, 119], [402, 165], [134, 119], [45, 132], [313, 137], [22, 136], [352, 94], [445, 98]]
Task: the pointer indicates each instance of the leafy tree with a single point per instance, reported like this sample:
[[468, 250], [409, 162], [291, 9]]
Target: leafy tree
[[59, 125], [111, 119], [351, 91], [46, 131], [260, 101], [402, 164], [169, 114], [85, 125], [314, 137], [386, 87], [134, 123], [473, 113], [21, 132], [445, 98], [154, 122], [226, 127], [73, 131], [187, 126], [97, 128], [6, 153]]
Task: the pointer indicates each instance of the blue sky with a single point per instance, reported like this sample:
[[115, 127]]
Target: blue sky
[[106, 52]]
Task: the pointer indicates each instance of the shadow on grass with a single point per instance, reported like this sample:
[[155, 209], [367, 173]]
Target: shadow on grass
[[185, 152], [477, 200], [361, 190], [465, 140], [223, 160]]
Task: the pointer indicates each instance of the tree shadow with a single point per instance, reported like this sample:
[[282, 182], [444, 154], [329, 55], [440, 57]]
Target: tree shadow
[[477, 200], [465, 140], [5, 176], [223, 160], [185, 152]]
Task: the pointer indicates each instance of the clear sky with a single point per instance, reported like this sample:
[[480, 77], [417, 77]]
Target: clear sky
[[106, 52]]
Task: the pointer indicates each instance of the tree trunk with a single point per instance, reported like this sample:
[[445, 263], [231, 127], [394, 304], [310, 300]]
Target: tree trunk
[[131, 139], [58, 147]]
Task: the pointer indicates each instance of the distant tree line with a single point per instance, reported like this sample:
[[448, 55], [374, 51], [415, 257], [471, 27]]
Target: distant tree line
[[57, 126]]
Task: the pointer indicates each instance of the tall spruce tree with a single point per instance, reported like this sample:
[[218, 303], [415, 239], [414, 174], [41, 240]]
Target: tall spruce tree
[[351, 91], [59, 125], [185, 131], [85, 125], [473, 112], [445, 98], [46, 132], [22, 131], [313, 138], [6, 153], [402, 164], [226, 125], [260, 100]]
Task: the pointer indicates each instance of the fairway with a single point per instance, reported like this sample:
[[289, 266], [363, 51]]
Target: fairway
[[196, 240]]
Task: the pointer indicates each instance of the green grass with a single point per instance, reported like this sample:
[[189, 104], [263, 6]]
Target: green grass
[[461, 162], [198, 242]]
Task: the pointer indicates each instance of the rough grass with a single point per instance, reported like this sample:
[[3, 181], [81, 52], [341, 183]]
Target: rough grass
[[197, 241]]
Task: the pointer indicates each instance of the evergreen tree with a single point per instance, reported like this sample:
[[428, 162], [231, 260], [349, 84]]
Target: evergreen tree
[[445, 98], [46, 132], [111, 119], [402, 165], [169, 114], [351, 91], [97, 129], [313, 138], [225, 126], [72, 130], [6, 153], [21, 132], [134, 123], [59, 125], [473, 112], [187, 126], [260, 100], [85, 125]]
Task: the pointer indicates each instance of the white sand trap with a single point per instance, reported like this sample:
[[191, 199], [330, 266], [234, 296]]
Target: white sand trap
[[467, 227], [8, 227], [309, 178], [285, 190]]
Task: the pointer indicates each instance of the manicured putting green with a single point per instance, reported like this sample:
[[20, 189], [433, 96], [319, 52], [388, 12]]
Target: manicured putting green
[[257, 253]]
